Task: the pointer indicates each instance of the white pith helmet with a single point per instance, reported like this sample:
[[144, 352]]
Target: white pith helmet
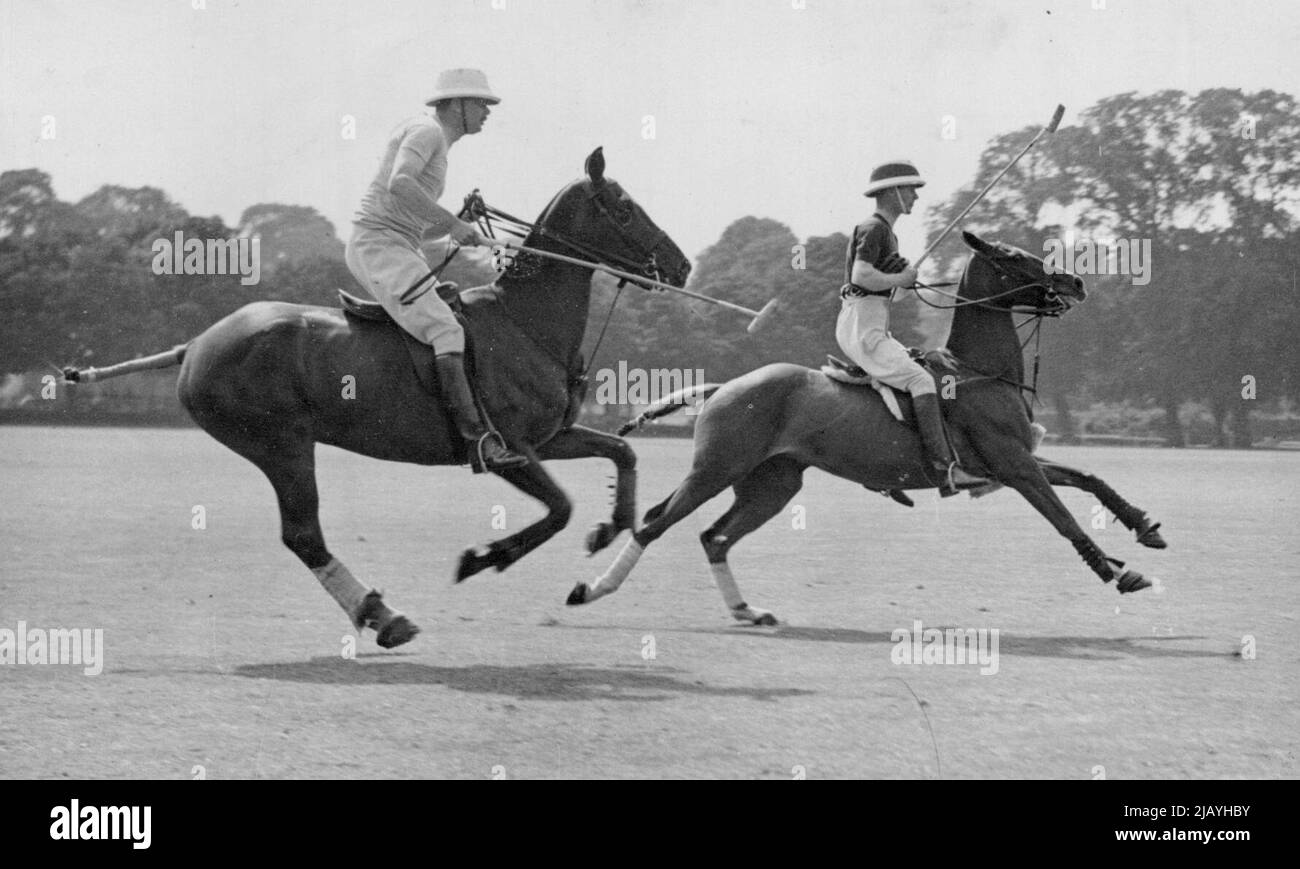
[[895, 173], [462, 84]]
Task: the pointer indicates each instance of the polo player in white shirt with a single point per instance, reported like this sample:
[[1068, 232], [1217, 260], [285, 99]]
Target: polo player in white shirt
[[399, 207]]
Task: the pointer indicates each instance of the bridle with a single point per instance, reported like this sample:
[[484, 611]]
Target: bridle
[[1055, 306], [525, 265], [476, 209]]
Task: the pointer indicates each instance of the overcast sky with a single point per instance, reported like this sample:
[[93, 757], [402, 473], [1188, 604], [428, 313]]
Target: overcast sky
[[759, 107]]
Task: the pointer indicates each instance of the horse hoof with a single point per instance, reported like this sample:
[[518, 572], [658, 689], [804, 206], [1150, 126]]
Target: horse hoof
[[578, 596], [1150, 537], [399, 630], [600, 536], [1131, 581], [472, 560], [745, 613]]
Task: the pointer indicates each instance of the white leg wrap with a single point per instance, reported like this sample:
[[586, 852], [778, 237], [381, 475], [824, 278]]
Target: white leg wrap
[[341, 585], [611, 579], [726, 584]]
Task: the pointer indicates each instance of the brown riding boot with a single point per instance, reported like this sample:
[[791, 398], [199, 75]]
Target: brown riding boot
[[488, 452], [929, 421]]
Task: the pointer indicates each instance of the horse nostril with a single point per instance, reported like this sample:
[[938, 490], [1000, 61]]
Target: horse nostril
[[1078, 284]]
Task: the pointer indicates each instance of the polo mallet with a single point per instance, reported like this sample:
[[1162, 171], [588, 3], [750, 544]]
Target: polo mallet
[[641, 279], [1050, 128]]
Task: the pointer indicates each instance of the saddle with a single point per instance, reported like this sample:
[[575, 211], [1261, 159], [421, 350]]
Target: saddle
[[899, 401], [367, 311], [936, 362]]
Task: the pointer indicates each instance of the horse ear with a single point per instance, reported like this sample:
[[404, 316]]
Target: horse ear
[[596, 167], [975, 243]]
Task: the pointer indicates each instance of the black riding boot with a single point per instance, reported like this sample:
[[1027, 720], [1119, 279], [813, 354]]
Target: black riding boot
[[929, 421], [487, 450]]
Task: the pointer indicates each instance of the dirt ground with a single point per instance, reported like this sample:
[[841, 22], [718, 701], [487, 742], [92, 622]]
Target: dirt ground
[[225, 659]]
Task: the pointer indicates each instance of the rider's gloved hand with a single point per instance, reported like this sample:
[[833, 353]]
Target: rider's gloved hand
[[467, 235]]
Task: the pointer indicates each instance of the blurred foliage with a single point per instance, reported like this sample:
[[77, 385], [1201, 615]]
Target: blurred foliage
[[1211, 180], [77, 282]]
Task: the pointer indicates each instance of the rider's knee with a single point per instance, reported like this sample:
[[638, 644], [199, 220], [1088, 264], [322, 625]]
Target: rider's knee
[[920, 383], [446, 339]]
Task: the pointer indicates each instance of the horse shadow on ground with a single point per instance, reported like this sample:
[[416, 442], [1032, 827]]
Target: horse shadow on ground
[[524, 682], [1076, 648]]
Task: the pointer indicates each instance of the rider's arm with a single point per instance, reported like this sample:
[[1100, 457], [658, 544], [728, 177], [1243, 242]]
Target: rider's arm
[[872, 249], [413, 156], [871, 278]]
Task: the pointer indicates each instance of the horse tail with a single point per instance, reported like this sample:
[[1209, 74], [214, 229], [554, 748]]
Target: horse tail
[[669, 404], [166, 359]]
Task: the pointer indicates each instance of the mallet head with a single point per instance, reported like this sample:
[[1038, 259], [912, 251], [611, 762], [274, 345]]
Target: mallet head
[[763, 312], [1056, 119]]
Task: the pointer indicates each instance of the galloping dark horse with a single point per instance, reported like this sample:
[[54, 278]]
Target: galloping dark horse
[[273, 379], [759, 432]]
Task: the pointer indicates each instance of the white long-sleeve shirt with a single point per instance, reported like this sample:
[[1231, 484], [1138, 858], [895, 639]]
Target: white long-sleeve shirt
[[418, 149]]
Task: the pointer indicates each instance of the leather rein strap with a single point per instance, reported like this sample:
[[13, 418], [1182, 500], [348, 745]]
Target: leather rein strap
[[477, 209]]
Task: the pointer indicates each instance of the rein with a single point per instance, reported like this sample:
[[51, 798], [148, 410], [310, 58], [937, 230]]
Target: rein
[[477, 209], [1036, 337], [1036, 315]]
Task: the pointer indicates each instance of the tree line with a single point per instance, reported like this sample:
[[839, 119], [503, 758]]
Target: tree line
[[1207, 183]]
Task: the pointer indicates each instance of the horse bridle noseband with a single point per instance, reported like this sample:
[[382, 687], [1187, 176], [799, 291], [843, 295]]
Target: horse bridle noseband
[[1057, 306], [476, 209]]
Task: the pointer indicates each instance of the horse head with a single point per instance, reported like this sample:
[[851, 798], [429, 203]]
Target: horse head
[[1003, 276], [595, 218]]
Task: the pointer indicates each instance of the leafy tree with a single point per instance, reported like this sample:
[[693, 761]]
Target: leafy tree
[[1212, 183], [289, 234]]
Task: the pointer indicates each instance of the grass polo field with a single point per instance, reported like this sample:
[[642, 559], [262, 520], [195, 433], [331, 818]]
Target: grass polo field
[[223, 657]]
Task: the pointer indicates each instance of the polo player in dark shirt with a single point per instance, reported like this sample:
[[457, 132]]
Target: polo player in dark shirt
[[873, 270]]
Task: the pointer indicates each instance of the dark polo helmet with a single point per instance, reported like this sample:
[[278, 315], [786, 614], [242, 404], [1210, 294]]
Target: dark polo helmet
[[895, 173]]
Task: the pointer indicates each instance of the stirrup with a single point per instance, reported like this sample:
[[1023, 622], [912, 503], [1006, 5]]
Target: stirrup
[[478, 457], [951, 487]]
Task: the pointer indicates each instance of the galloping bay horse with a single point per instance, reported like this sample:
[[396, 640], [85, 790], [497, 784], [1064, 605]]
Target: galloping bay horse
[[267, 381], [759, 432]]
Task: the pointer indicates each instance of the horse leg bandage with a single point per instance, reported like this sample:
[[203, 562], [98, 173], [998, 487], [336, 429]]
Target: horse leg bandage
[[726, 584], [612, 578], [342, 586]]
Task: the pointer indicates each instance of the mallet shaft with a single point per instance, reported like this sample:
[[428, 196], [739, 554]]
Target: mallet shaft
[[1050, 128], [628, 276]]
